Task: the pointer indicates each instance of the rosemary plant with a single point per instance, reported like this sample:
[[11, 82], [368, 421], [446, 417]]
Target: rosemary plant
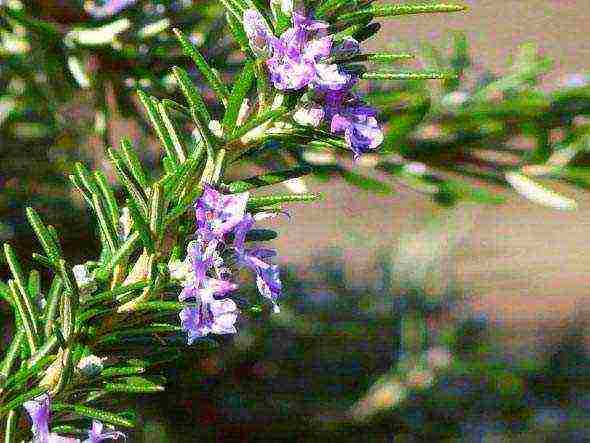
[[175, 247]]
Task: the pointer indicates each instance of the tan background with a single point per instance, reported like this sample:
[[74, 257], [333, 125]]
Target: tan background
[[525, 267]]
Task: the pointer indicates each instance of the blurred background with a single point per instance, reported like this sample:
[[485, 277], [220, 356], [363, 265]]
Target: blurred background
[[426, 300]]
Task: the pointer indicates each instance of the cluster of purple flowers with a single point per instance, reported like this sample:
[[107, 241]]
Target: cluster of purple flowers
[[301, 58], [39, 411], [218, 250]]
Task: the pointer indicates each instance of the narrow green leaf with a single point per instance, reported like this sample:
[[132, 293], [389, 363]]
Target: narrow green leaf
[[209, 74], [11, 427], [234, 8], [122, 371], [69, 300], [157, 211], [97, 414], [133, 189], [148, 331], [19, 400], [176, 184], [266, 117], [53, 234], [141, 225], [237, 30], [160, 306], [34, 284], [86, 178], [239, 92], [23, 374], [134, 385], [52, 304], [45, 238], [151, 106], [115, 294], [105, 223], [12, 353], [256, 202], [199, 110], [121, 254], [21, 297], [219, 166], [178, 148], [382, 57], [42, 260], [108, 196], [80, 187], [134, 163], [403, 9], [386, 75], [268, 179]]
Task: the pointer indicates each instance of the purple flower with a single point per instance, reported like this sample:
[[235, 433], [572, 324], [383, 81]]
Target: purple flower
[[362, 132], [213, 316], [39, 411], [96, 434], [349, 115], [210, 315], [259, 34], [268, 278], [207, 289], [110, 8], [217, 214], [298, 55]]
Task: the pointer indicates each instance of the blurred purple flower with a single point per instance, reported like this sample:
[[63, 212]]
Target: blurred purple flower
[[110, 8], [217, 214]]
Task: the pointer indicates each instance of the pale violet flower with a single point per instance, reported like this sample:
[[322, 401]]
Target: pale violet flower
[[299, 55], [257, 259], [40, 415], [217, 214], [212, 317], [259, 34]]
